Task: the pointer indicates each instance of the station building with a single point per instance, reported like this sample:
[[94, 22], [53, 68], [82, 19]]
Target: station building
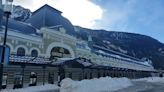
[[47, 38]]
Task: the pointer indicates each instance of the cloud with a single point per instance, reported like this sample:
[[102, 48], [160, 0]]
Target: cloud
[[24, 3], [80, 12], [143, 17], [32, 4], [116, 15]]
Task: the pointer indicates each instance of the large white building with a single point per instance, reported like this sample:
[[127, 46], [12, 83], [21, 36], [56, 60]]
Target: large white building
[[49, 35]]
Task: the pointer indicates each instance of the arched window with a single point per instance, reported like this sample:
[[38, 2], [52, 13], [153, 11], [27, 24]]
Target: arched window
[[21, 51], [34, 53]]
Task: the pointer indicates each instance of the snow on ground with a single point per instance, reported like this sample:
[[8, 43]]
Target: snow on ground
[[33, 89], [105, 84], [151, 79]]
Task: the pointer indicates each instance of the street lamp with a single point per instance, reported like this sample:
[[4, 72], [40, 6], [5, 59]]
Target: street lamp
[[7, 7], [7, 12]]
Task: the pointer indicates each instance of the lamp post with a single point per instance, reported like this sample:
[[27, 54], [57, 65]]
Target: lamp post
[[7, 12]]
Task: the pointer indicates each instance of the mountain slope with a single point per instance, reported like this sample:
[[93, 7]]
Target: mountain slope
[[136, 45], [21, 14]]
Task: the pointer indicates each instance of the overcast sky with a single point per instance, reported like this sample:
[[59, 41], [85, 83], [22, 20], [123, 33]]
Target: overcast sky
[[136, 16]]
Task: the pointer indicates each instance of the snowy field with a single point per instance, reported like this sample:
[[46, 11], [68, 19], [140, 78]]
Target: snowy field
[[104, 84], [107, 84]]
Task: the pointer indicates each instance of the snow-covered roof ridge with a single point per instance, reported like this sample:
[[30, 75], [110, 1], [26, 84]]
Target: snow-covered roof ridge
[[121, 56]]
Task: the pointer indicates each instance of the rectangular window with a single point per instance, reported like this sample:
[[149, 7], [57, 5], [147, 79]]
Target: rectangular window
[[51, 78], [4, 81], [33, 79], [70, 75], [18, 83]]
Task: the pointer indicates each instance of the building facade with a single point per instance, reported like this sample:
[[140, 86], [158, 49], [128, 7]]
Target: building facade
[[48, 34], [47, 38]]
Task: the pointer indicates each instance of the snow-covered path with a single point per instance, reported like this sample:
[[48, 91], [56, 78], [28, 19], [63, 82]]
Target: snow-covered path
[[102, 84], [152, 84], [144, 87], [138, 86], [106, 84]]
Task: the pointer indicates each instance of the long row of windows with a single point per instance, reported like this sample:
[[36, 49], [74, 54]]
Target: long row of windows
[[21, 52]]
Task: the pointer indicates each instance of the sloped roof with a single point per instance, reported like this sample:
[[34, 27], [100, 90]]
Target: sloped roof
[[47, 16], [75, 63], [20, 27]]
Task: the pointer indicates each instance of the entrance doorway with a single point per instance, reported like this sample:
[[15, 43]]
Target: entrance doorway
[[59, 52]]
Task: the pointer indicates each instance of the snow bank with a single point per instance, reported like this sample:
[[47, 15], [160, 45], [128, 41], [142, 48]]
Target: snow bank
[[151, 79], [34, 88], [94, 85]]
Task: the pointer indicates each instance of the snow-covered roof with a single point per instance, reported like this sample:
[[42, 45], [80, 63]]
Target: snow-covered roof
[[73, 61], [60, 61], [84, 62], [121, 57], [28, 59], [96, 47]]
